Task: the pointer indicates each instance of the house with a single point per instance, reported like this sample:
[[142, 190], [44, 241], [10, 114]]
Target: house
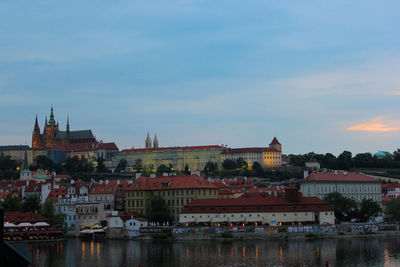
[[103, 192], [353, 185], [288, 207]]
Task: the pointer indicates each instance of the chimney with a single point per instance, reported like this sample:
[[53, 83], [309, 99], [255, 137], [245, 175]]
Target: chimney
[[335, 172], [106, 182], [305, 174], [292, 194]]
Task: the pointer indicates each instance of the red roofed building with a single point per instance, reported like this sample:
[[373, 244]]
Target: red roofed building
[[56, 193], [351, 185], [90, 150], [103, 192], [17, 217], [266, 156], [196, 157], [391, 190], [177, 191], [258, 209]]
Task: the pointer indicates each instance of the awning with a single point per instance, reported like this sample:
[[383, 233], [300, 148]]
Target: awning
[[24, 224], [41, 224], [9, 225]]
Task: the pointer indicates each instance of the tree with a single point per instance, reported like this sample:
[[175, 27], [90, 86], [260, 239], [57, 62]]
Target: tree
[[210, 167], [297, 160], [100, 165], [42, 162], [229, 164], [258, 169], [393, 209], [396, 155], [345, 208], [121, 165], [138, 165], [363, 160], [241, 164], [329, 161], [369, 209], [12, 203], [344, 160], [158, 211], [48, 211], [187, 169], [32, 204], [6, 163], [163, 169]]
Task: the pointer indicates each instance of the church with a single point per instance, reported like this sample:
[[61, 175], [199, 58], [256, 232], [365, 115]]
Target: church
[[53, 137]]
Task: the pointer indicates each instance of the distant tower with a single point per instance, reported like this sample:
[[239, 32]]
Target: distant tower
[[155, 141], [147, 143], [276, 145], [36, 142], [50, 130], [67, 128]]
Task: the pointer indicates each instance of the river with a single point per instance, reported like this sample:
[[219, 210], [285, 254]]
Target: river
[[360, 251]]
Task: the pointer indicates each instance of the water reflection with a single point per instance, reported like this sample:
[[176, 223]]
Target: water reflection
[[338, 252]]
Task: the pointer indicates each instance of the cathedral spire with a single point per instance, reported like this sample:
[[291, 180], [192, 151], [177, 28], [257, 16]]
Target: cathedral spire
[[155, 141], [45, 122], [67, 123], [36, 123], [52, 121], [147, 143]]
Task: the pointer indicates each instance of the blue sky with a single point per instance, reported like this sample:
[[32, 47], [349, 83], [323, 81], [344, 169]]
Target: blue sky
[[322, 76]]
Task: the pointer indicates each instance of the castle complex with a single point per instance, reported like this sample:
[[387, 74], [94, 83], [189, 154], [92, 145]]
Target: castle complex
[[52, 136]]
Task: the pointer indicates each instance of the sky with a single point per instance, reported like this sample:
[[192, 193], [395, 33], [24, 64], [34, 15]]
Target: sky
[[321, 76]]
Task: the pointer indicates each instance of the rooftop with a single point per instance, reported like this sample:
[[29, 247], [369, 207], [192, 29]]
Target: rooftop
[[339, 177], [173, 148]]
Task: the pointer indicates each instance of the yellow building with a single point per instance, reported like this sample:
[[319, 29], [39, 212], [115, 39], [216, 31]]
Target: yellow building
[[266, 156], [196, 157], [177, 191]]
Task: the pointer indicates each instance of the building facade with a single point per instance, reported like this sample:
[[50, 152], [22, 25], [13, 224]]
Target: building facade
[[266, 156], [258, 209], [351, 185], [196, 157], [177, 191]]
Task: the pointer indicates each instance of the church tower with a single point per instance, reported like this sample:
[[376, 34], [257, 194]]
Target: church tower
[[155, 141], [276, 145], [36, 142], [147, 143], [50, 130]]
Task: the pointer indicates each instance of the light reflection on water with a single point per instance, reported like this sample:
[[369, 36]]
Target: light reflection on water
[[338, 252]]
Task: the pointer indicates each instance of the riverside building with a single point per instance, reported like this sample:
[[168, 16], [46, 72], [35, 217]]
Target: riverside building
[[357, 186], [273, 208], [177, 191]]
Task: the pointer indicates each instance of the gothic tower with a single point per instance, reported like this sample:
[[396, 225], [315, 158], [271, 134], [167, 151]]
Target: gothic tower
[[155, 141], [36, 142], [276, 145], [50, 130], [147, 143]]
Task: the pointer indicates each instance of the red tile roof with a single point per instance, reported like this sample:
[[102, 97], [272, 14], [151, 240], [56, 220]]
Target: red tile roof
[[248, 150], [275, 142], [18, 217], [392, 185], [339, 177], [56, 192], [172, 182], [174, 148], [256, 203], [103, 188], [90, 146]]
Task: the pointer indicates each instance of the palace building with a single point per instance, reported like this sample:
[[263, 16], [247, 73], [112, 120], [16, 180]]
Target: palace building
[[52, 136], [267, 157]]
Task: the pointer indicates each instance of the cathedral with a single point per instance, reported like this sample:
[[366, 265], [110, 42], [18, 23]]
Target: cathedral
[[52, 136]]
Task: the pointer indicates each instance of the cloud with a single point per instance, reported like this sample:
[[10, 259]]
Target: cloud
[[376, 125]]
